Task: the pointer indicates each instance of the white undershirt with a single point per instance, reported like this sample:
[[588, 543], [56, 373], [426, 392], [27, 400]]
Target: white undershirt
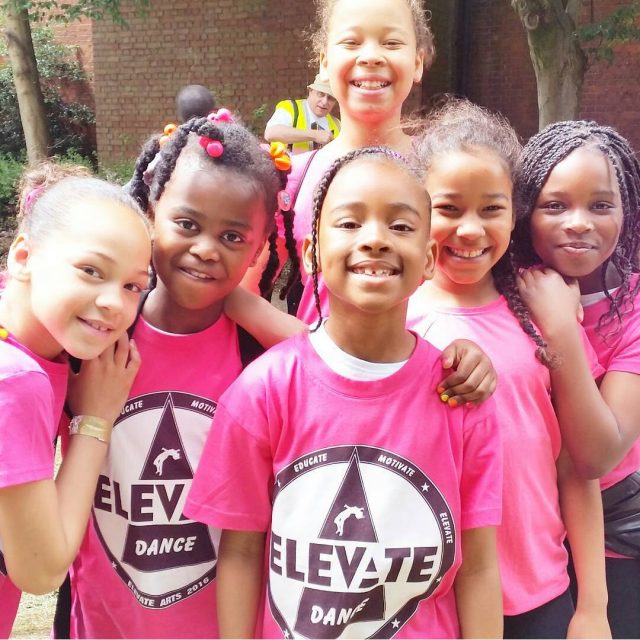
[[346, 365], [591, 298]]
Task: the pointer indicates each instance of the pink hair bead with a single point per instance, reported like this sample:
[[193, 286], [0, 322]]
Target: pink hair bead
[[215, 149]]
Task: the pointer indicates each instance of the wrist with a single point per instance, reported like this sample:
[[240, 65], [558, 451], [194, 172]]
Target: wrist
[[91, 426]]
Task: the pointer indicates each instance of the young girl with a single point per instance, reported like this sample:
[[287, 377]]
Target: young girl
[[75, 273], [579, 199], [469, 155], [379, 502], [212, 200], [372, 52]]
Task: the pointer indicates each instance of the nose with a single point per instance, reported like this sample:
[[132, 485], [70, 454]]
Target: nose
[[374, 237], [470, 228], [370, 53], [111, 298], [578, 221], [205, 248]]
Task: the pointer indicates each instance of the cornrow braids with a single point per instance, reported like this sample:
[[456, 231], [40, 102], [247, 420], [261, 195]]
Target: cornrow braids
[[380, 153], [539, 157], [137, 187]]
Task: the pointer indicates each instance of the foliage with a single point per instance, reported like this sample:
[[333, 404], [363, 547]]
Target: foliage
[[617, 28], [10, 170], [64, 11], [119, 172], [69, 122]]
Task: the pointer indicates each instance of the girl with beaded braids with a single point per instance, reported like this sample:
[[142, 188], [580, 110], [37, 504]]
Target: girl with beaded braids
[[578, 194], [376, 503], [469, 155], [212, 200]]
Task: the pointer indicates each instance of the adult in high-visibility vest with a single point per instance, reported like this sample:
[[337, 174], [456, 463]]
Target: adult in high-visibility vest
[[306, 123]]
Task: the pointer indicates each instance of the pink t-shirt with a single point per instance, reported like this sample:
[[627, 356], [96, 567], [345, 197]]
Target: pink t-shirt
[[144, 570], [620, 352], [321, 161], [533, 559], [363, 487], [32, 392]]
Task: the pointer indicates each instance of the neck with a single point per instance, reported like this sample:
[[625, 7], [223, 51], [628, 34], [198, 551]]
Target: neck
[[593, 282], [371, 337], [356, 133], [446, 293], [16, 316], [163, 313]]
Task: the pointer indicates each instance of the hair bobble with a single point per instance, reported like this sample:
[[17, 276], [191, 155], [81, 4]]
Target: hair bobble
[[31, 197], [278, 152], [168, 131], [222, 115], [213, 147]]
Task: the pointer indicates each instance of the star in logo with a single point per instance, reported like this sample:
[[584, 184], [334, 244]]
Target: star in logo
[[396, 624], [425, 487], [286, 633]]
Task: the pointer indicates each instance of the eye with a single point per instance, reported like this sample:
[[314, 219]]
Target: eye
[[135, 287], [347, 224], [553, 206], [393, 44], [602, 206], [401, 226], [494, 209], [92, 272], [233, 237], [445, 209], [186, 224]]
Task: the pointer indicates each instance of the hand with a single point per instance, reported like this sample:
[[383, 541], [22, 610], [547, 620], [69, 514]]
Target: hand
[[552, 300], [589, 624], [474, 379], [322, 136], [102, 386]]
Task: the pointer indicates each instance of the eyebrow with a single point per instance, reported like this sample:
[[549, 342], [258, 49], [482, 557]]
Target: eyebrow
[[456, 194], [392, 206], [231, 222], [99, 254], [600, 192]]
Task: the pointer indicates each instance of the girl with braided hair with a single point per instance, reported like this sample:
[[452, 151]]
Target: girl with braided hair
[[578, 195], [470, 155], [212, 200], [375, 502]]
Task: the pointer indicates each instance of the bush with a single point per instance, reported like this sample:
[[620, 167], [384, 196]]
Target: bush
[[69, 122], [10, 171]]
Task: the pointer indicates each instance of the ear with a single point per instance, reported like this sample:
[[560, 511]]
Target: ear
[[18, 259], [307, 255], [258, 253], [419, 66], [322, 71], [431, 259]]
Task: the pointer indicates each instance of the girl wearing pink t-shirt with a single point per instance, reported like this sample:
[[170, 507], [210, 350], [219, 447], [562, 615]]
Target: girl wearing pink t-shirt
[[579, 206], [469, 155], [76, 270], [368, 506], [212, 199]]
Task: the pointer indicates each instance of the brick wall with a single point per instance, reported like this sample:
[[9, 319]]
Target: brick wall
[[254, 53]]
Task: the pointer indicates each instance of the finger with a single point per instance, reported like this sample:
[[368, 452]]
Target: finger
[[459, 384], [580, 313], [134, 357], [121, 351], [449, 356]]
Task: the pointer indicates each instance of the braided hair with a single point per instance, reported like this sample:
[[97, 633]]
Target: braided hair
[[384, 154], [460, 125], [539, 157], [242, 155]]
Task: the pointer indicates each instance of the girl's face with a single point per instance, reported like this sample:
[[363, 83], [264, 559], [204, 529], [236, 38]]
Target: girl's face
[[210, 226], [371, 58], [373, 239], [85, 279], [472, 216], [577, 218]]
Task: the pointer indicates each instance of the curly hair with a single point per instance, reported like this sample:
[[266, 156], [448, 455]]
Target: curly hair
[[460, 125], [539, 157], [242, 155]]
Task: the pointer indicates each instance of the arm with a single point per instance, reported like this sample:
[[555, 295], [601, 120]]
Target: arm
[[240, 566], [477, 585], [291, 135], [42, 523], [581, 506], [473, 378], [599, 426], [260, 318]]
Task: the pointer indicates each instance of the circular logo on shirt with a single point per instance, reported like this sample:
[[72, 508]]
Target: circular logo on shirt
[[161, 556], [359, 537]]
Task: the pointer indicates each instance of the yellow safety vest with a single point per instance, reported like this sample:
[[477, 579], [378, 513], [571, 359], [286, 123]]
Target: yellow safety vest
[[295, 109]]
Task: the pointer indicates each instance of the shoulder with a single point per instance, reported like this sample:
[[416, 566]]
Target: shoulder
[[14, 361]]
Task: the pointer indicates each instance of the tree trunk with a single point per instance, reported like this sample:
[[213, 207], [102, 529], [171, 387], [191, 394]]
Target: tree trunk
[[27, 82], [558, 61]]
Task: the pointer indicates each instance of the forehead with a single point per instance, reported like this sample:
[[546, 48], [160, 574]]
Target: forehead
[[585, 168], [363, 14], [461, 165]]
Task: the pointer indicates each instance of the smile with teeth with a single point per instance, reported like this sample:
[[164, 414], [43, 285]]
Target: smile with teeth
[[196, 274], [97, 326], [370, 84], [467, 253], [376, 272]]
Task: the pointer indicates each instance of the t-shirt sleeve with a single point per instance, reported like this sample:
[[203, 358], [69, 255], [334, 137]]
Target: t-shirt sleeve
[[231, 488], [481, 482], [280, 117], [26, 428], [626, 357]]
